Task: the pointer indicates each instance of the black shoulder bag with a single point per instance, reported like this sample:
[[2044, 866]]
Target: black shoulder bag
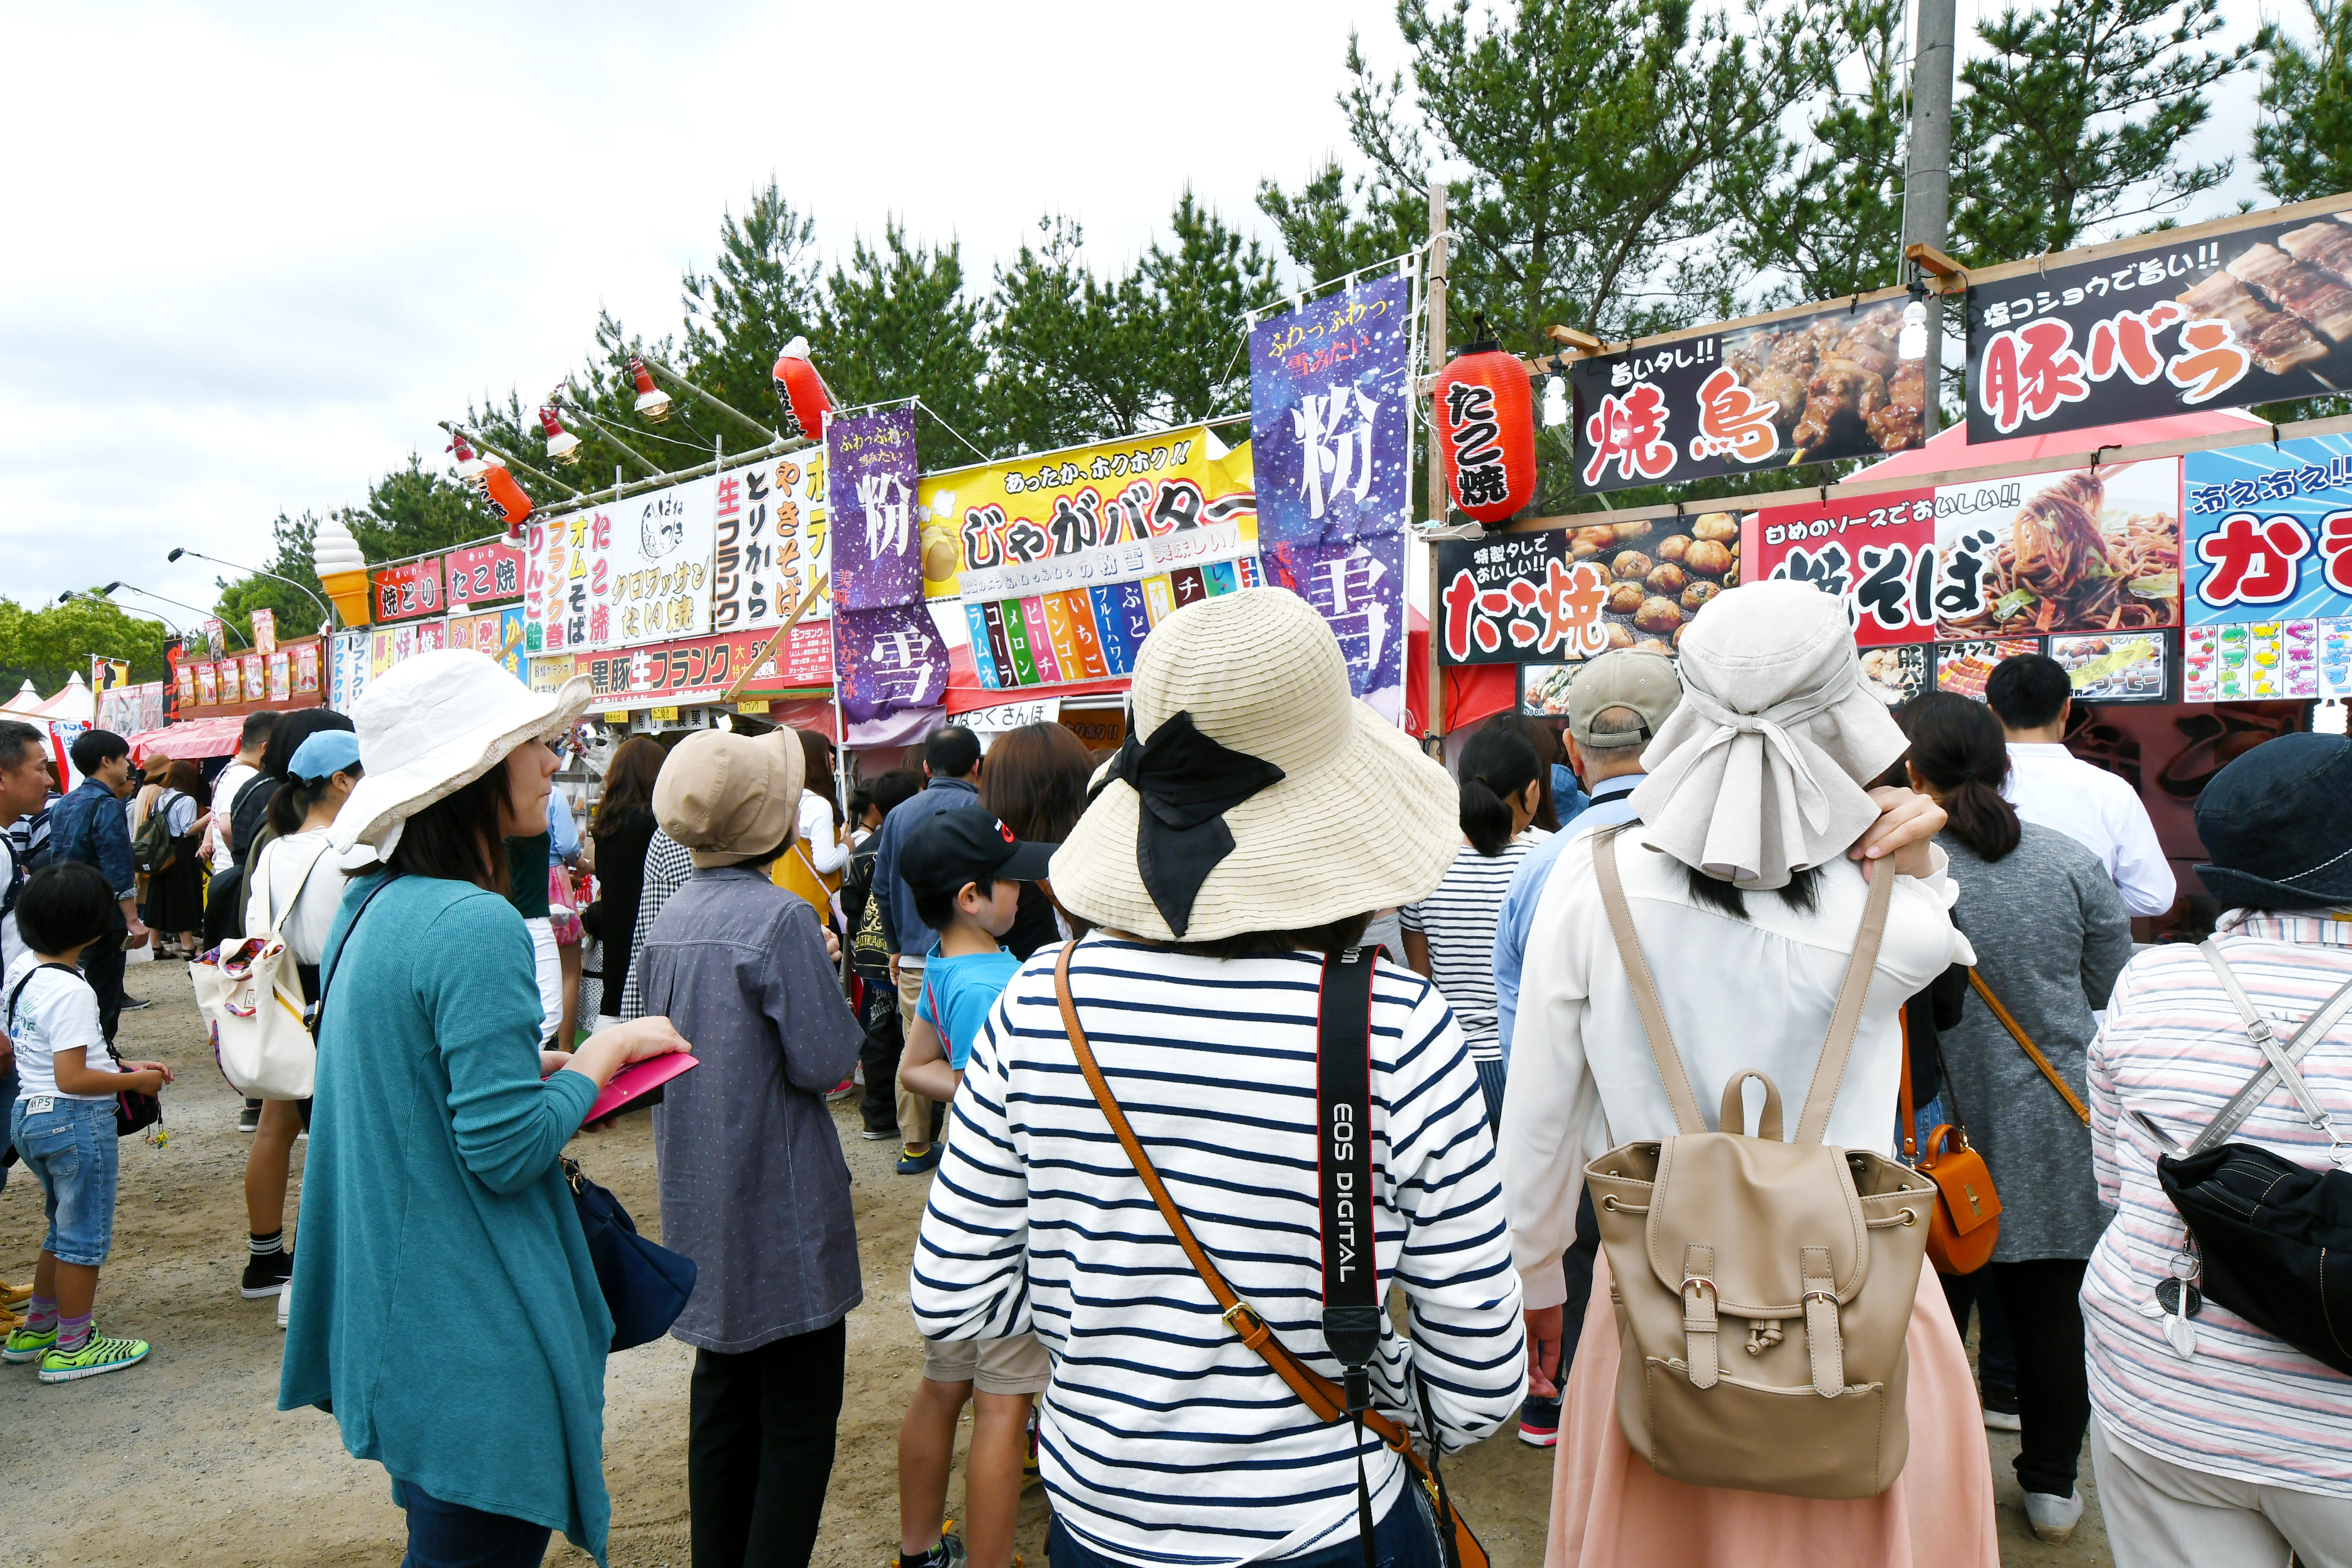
[[2261, 1226]]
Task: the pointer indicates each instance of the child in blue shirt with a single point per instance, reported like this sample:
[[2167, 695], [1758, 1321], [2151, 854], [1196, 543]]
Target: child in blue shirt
[[965, 869]]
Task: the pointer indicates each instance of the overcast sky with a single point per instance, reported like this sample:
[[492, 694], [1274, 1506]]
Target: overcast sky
[[255, 251]]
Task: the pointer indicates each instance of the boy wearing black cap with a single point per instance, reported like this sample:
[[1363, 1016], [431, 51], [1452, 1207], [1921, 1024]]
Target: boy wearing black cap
[[965, 869]]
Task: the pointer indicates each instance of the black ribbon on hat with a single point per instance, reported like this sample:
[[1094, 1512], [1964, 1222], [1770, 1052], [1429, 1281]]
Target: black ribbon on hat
[[1187, 782]]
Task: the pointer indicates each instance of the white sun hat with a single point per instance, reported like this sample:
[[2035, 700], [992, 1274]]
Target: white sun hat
[[1255, 794], [431, 725]]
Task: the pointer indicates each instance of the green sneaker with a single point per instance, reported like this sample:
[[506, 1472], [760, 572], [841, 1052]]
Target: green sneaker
[[99, 1353], [24, 1345]]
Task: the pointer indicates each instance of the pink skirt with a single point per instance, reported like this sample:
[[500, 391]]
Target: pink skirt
[[1608, 1506]]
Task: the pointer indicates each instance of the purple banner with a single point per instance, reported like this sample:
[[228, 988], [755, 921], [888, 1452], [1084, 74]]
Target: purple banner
[[1332, 417], [877, 548], [1358, 589], [889, 660]]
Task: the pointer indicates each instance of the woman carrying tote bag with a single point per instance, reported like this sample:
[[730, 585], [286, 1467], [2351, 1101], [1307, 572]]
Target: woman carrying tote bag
[[433, 1199], [1745, 893]]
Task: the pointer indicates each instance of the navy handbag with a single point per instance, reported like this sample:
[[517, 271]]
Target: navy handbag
[[645, 1287]]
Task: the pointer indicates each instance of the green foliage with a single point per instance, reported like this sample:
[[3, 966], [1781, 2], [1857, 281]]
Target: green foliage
[[2303, 143], [48, 644], [2076, 119]]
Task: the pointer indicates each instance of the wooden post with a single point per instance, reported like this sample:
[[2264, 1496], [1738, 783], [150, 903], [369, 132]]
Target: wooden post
[[778, 635], [1435, 722]]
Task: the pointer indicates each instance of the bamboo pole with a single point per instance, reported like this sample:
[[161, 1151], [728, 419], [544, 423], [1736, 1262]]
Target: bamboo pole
[[762, 652], [763, 432]]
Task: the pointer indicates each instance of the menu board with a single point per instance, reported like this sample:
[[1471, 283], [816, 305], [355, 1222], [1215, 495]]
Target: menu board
[[1875, 553], [1582, 591], [1964, 666], [2116, 666], [2249, 660]]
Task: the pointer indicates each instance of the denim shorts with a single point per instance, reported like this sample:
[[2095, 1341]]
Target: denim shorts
[[69, 1149]]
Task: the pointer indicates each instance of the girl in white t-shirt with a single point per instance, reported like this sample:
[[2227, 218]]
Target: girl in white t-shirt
[[293, 887], [63, 1121]]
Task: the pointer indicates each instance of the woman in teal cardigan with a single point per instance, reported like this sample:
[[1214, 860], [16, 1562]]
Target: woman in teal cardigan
[[445, 1310]]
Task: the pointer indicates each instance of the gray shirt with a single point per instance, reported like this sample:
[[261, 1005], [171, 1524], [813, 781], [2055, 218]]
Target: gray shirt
[[753, 1184], [2050, 936]]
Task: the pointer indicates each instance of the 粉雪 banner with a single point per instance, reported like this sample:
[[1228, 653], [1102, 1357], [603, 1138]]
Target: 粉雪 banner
[[1332, 417], [877, 546], [2221, 315], [1807, 385]]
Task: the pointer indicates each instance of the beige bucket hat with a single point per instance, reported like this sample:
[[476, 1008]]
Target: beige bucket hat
[[727, 797], [1255, 793], [431, 725], [1761, 771]]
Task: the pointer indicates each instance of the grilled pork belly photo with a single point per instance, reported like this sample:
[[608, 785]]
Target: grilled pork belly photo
[[2326, 245], [2277, 340], [2320, 297]]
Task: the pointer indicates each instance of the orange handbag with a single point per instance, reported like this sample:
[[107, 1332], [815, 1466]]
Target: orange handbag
[[1966, 1221]]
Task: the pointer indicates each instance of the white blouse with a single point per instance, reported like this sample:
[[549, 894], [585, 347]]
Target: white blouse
[[1737, 994], [826, 852]]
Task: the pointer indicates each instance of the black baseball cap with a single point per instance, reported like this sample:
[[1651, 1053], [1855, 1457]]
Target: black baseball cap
[[963, 845]]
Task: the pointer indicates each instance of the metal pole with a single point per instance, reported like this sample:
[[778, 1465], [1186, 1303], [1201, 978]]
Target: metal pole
[[732, 412], [1435, 722], [1927, 171]]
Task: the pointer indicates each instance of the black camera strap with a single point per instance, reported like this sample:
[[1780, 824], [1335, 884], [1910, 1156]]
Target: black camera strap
[[1343, 1102]]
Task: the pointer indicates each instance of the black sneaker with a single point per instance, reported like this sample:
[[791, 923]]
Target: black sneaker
[[133, 1004], [265, 1276], [248, 1119], [1540, 1422]]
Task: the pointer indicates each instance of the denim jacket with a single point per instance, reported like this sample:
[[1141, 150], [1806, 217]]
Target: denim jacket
[[90, 825]]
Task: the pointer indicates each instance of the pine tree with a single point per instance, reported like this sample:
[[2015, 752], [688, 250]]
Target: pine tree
[[2303, 143], [897, 322], [2076, 121]]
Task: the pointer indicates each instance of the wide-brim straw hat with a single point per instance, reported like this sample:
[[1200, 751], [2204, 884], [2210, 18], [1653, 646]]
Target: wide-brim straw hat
[[1359, 821], [431, 725], [1762, 770]]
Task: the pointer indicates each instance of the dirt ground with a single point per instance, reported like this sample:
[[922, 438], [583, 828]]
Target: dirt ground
[[187, 1460]]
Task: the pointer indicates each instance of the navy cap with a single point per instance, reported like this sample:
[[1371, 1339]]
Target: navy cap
[[965, 844]]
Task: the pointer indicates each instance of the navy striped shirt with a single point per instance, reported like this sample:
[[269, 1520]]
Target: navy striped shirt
[[1164, 1438]]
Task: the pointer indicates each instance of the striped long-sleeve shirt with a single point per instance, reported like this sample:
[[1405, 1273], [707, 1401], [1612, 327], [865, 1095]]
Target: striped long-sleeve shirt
[[1164, 1438], [2247, 1406]]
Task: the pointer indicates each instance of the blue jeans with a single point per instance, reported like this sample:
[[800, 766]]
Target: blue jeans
[[451, 1535], [69, 1149], [1406, 1538]]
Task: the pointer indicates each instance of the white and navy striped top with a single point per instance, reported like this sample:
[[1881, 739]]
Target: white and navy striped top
[[1164, 1439], [1458, 921], [2173, 1047]]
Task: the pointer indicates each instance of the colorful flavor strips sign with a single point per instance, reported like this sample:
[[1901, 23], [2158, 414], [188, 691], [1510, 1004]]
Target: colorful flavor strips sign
[[1090, 633]]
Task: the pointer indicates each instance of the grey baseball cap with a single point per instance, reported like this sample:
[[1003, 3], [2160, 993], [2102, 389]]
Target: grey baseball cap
[[1623, 677]]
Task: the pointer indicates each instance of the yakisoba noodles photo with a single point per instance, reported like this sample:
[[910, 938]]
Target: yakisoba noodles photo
[[2085, 552]]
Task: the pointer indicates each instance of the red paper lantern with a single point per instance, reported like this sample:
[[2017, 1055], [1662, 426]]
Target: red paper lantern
[[506, 499], [806, 390], [1486, 433]]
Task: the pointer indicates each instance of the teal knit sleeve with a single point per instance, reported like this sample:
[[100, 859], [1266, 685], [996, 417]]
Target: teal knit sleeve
[[477, 979]]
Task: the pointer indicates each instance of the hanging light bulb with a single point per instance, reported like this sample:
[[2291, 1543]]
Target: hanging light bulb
[[1555, 404], [653, 403], [563, 445], [469, 464], [1911, 343], [2328, 718]]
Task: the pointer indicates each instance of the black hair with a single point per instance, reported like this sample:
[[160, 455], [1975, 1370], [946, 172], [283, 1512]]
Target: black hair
[[861, 801], [15, 738], [1802, 894], [1959, 748], [290, 805], [1336, 936], [457, 838], [896, 788], [951, 753], [937, 910], [1498, 763], [64, 905], [2028, 691], [93, 749], [1549, 753], [257, 728]]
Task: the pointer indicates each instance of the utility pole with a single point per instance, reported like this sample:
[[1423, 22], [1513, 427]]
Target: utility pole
[[1927, 171], [1435, 719]]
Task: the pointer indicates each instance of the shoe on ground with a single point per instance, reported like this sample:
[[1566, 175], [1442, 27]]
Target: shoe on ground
[[948, 1553], [2001, 1410], [14, 1295], [1540, 1422], [100, 1353], [248, 1119], [2053, 1518], [265, 1277], [913, 1164], [133, 1004], [23, 1345], [845, 1089], [875, 1135]]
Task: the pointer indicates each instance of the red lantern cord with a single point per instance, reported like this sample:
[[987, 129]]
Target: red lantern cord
[[1486, 433]]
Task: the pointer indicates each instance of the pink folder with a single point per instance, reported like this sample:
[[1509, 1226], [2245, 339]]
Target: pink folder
[[637, 1081]]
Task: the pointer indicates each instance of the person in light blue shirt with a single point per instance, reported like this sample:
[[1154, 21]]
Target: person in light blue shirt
[[1616, 704]]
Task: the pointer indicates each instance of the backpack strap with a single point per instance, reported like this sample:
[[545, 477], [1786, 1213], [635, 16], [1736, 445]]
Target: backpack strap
[[1687, 1118], [18, 989], [270, 913], [2278, 1063], [1813, 1123]]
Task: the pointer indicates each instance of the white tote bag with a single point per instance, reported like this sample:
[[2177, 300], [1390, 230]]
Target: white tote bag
[[251, 993]]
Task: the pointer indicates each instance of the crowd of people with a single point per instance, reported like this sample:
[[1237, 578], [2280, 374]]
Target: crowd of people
[[1114, 1006]]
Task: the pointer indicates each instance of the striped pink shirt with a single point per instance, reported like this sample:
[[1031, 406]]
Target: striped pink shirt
[[2173, 1047]]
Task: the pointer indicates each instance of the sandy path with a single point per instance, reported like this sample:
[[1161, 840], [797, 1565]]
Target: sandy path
[[187, 1460]]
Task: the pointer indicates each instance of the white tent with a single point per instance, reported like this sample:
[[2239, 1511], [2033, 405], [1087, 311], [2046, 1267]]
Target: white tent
[[74, 703], [26, 704]]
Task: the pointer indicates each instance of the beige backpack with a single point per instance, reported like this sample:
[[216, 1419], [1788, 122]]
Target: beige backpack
[[1762, 1288]]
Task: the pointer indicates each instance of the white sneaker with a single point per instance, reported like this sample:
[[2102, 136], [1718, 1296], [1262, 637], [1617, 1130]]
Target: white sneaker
[[2053, 1518], [286, 1300]]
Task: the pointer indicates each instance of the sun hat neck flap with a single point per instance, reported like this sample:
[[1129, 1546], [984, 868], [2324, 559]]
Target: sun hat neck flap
[[2278, 824], [1759, 773], [1331, 812], [431, 725]]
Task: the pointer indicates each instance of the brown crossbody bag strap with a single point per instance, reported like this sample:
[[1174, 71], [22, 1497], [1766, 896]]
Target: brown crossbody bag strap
[[2082, 1112]]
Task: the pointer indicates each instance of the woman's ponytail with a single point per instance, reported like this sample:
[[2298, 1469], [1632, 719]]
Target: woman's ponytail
[[1958, 747], [1497, 766]]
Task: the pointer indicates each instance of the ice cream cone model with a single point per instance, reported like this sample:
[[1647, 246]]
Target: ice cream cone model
[[342, 570]]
